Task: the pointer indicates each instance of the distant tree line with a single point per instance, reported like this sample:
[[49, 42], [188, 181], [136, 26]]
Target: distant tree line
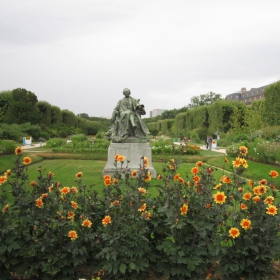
[[20, 107]]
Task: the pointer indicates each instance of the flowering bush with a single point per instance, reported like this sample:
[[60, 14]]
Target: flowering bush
[[193, 225]]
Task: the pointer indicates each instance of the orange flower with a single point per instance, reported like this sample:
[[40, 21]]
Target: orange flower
[[199, 163], [226, 160], [262, 189], [217, 186], [115, 181], [106, 220], [271, 210], [116, 202], [73, 235], [243, 150], [142, 190], [146, 215], [188, 184], [247, 196], [116, 157], [107, 182], [209, 170], [269, 200], [195, 171], [181, 180], [176, 177], [79, 174], [234, 232], [44, 195], [86, 223], [184, 209], [256, 199], [50, 188], [107, 177], [39, 203], [26, 160], [74, 204], [257, 190], [33, 183], [145, 162], [8, 172], [134, 173], [74, 190], [159, 177], [245, 223], [263, 182], [142, 208], [236, 162], [219, 197], [71, 215], [171, 167], [241, 189], [243, 206], [196, 178], [273, 173], [65, 190], [121, 158], [18, 150], [226, 180], [5, 208], [50, 174], [208, 206], [147, 177], [250, 183], [3, 179]]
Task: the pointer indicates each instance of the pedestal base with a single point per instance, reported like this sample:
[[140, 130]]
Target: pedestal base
[[132, 152]]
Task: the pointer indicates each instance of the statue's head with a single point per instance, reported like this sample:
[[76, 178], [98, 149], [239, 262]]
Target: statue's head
[[126, 92]]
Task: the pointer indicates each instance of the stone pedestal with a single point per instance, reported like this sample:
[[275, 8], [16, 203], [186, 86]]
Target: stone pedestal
[[132, 152]]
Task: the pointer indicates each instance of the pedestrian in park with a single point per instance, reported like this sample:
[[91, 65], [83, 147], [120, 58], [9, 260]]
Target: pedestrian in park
[[210, 139]]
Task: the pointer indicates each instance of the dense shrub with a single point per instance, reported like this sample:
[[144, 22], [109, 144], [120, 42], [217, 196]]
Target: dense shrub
[[55, 142], [7, 147]]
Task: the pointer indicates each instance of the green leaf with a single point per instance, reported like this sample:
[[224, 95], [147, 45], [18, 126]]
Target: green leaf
[[122, 267], [132, 265]]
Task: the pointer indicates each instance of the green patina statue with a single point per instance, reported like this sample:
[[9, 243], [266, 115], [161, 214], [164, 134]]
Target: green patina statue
[[127, 123]]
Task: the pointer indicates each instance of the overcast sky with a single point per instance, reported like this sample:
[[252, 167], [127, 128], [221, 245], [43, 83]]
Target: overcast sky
[[80, 55]]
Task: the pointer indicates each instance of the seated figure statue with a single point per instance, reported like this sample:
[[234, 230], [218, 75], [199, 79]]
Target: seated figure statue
[[126, 120]]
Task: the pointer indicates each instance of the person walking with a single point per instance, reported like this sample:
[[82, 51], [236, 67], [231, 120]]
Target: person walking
[[206, 141], [210, 139]]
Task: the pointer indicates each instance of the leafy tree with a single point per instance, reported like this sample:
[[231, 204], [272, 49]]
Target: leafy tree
[[45, 112], [272, 104], [254, 116], [204, 99], [22, 107], [56, 115], [68, 118], [5, 97], [83, 115]]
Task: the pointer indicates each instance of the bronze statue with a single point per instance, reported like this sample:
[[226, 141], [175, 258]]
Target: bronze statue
[[127, 122]]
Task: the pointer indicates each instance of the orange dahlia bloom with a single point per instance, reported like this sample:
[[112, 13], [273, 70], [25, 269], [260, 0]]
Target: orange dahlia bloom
[[50, 174], [107, 182], [74, 204], [243, 150], [3, 179], [269, 200], [196, 178], [134, 173], [74, 190], [73, 235], [271, 210], [176, 177], [256, 199], [86, 223], [79, 174], [71, 215], [44, 195], [142, 208], [26, 160], [65, 190], [142, 190], [217, 186], [39, 203], [256, 190], [181, 180], [5, 208], [8, 172], [50, 188], [234, 232], [147, 177], [18, 151], [219, 197], [184, 209], [121, 158], [263, 182], [115, 181], [107, 220], [199, 163], [245, 223], [146, 215], [107, 177], [243, 206], [251, 183], [273, 173], [116, 157], [188, 184], [194, 170], [159, 177], [236, 162], [145, 162], [226, 180], [263, 189], [33, 183], [208, 206], [115, 203], [171, 167], [247, 196]]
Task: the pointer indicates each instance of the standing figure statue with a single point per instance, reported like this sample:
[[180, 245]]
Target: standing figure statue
[[126, 120]]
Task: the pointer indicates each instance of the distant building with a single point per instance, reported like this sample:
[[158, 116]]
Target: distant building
[[247, 96], [156, 112]]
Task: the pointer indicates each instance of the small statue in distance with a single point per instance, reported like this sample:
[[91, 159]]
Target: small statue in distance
[[127, 122]]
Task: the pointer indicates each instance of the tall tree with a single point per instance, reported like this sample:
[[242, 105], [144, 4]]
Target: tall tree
[[5, 97], [22, 107], [56, 115], [204, 99], [272, 104], [45, 112]]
